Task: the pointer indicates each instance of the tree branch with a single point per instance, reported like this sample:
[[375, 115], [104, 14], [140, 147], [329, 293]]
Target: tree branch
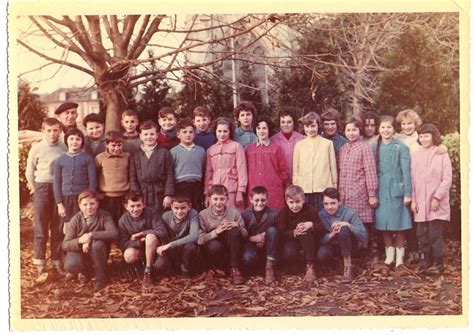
[[137, 40], [152, 29]]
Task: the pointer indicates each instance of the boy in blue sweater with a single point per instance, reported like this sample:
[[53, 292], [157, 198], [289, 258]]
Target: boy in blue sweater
[[202, 118], [40, 177], [189, 160], [345, 232], [95, 139], [74, 172], [179, 249]]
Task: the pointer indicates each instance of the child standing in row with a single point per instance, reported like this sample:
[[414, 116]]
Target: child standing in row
[[314, 162], [287, 137], [202, 121], [222, 232], [94, 141], [245, 114], [189, 162], [432, 177], [392, 216], [130, 124], [112, 173], [40, 177], [152, 169], [266, 165], [167, 135], [226, 165], [358, 182], [330, 119], [74, 172]]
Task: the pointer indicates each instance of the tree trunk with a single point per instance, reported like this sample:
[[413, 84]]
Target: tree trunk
[[115, 102]]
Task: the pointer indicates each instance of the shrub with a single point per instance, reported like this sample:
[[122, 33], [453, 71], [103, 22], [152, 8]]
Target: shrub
[[452, 141], [23, 156]]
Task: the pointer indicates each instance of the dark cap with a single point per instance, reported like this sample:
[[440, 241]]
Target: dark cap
[[65, 106]]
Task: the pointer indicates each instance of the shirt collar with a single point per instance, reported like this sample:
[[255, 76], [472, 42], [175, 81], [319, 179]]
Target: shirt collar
[[265, 143]]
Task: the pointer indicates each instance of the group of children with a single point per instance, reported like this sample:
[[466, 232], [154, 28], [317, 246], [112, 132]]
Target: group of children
[[183, 195]]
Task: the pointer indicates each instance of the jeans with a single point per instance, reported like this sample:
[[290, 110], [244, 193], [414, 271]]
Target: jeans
[[46, 218], [227, 244], [194, 190], [77, 261], [113, 205], [250, 254], [186, 256], [315, 200], [430, 237], [309, 243], [341, 244]]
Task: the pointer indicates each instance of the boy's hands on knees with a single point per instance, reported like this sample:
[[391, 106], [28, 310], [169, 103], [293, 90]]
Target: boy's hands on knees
[[225, 225], [167, 202], [86, 238], [162, 248], [61, 210], [302, 228], [138, 236], [258, 239]]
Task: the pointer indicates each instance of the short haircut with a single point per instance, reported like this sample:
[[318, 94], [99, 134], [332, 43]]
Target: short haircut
[[201, 111], [148, 124], [309, 118], [184, 123], [74, 132], [289, 111], [332, 193], [357, 122], [245, 106], [429, 128], [293, 191], [133, 196], [181, 197], [113, 136], [258, 190], [93, 117], [130, 112], [330, 114], [88, 194], [218, 190], [369, 115], [268, 121], [225, 121], [409, 114], [50, 121], [387, 118], [165, 111]]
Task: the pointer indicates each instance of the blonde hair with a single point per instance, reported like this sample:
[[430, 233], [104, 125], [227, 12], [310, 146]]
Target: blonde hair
[[409, 114], [293, 191], [309, 118]]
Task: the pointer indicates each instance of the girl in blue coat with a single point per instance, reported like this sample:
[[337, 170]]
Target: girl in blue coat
[[392, 216]]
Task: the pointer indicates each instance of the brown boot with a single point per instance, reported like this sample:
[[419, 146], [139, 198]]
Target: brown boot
[[347, 276], [269, 275], [310, 274], [237, 277]]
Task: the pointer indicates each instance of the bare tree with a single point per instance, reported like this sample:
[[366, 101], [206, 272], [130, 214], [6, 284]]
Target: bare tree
[[109, 48]]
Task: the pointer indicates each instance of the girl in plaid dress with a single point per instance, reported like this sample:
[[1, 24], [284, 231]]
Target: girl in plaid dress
[[358, 181]]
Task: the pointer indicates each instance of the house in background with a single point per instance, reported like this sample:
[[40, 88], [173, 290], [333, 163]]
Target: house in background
[[88, 100]]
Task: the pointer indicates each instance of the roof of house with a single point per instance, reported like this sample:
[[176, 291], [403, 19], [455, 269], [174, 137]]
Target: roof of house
[[71, 93]]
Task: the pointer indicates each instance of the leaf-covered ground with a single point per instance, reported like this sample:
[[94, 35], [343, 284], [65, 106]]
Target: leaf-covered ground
[[374, 291]]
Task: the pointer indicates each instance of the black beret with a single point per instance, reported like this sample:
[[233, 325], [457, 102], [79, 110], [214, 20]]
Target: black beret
[[65, 106]]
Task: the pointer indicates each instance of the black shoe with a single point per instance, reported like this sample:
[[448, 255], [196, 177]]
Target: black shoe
[[424, 265], [185, 271], [99, 285], [439, 267]]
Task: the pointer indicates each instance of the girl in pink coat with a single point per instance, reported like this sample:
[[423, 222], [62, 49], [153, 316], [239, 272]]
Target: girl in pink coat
[[431, 177], [226, 164], [266, 164]]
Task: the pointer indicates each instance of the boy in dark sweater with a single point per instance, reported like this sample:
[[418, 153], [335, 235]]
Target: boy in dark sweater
[[94, 141], [260, 222], [112, 172], [87, 240], [299, 228], [189, 160], [167, 135], [152, 169], [179, 249], [202, 118], [139, 231]]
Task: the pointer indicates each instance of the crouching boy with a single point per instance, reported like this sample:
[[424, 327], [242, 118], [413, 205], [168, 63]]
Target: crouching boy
[[222, 232], [87, 240], [299, 228], [179, 249], [139, 229], [345, 232], [260, 223]]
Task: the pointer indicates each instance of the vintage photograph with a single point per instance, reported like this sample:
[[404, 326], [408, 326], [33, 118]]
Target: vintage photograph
[[300, 163]]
